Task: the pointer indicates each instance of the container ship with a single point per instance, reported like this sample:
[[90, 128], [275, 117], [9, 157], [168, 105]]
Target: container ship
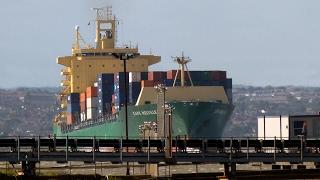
[[107, 91]]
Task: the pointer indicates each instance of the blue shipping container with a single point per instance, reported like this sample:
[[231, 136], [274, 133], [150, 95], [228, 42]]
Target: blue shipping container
[[106, 78], [74, 98], [74, 107]]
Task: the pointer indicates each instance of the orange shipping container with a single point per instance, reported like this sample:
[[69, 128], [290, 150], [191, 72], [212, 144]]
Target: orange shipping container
[[91, 91], [83, 97], [172, 74], [156, 75], [83, 106], [146, 83], [70, 119]]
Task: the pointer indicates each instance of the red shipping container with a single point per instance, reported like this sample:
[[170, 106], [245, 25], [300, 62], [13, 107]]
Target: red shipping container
[[172, 74], [146, 83], [156, 75], [219, 75], [83, 97], [91, 91], [83, 106], [156, 83], [70, 119]]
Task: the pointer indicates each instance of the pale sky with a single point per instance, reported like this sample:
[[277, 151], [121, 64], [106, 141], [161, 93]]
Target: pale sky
[[265, 42]]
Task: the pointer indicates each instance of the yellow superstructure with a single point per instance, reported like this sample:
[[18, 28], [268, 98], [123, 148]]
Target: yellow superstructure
[[82, 67]]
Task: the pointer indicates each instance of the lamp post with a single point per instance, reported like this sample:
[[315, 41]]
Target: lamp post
[[124, 57]]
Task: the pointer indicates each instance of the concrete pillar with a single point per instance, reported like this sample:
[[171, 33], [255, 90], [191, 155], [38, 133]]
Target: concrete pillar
[[152, 169]]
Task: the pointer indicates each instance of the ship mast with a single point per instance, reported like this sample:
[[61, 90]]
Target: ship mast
[[182, 61]]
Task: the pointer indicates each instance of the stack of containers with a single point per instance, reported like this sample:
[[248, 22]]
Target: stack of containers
[[105, 90], [135, 79], [157, 77], [219, 75], [83, 107], [73, 108], [134, 91], [119, 90], [199, 78], [137, 76], [92, 102], [147, 83]]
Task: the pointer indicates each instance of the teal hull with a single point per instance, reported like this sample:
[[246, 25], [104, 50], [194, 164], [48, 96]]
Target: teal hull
[[190, 119]]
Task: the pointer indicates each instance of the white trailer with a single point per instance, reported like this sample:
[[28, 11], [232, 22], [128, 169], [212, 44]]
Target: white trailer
[[289, 127], [270, 127]]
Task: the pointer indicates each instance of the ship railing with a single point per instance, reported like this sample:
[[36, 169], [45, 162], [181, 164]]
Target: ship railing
[[88, 123]]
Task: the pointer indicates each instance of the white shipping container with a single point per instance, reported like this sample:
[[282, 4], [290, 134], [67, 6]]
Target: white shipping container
[[92, 102], [134, 77], [92, 113], [270, 127], [83, 116]]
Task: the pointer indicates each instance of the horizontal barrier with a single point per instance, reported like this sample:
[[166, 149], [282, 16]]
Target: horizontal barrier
[[242, 150]]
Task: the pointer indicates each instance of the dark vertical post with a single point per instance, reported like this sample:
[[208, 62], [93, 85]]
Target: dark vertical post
[[280, 128], [125, 94], [264, 127], [18, 148], [67, 146], [124, 57]]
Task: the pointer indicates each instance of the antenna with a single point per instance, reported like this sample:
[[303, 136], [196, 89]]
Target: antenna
[[182, 61]]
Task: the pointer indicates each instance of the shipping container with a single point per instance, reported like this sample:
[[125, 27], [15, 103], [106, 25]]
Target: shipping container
[[70, 119], [134, 77], [92, 113], [137, 76], [91, 92], [104, 108], [120, 78], [169, 82], [83, 97], [134, 91], [73, 108], [92, 102], [106, 78], [157, 76], [74, 98], [144, 75], [83, 116], [172, 74], [73, 118], [219, 75], [146, 83], [83, 106]]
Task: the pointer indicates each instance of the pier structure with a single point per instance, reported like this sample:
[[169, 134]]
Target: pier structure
[[227, 151]]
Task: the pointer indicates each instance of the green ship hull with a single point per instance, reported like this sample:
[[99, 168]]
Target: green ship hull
[[189, 119]]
